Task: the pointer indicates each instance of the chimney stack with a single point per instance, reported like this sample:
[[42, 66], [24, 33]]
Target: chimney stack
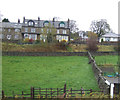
[[68, 22], [53, 21], [38, 21], [24, 20], [18, 21]]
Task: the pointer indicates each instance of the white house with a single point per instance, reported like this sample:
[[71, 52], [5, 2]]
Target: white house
[[112, 37]]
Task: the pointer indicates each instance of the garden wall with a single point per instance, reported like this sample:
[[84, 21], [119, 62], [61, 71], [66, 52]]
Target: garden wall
[[55, 53], [44, 53], [98, 75]]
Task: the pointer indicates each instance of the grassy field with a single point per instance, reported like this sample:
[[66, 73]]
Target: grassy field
[[107, 60], [20, 73]]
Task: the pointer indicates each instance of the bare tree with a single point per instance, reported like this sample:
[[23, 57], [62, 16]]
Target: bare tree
[[73, 26], [100, 27]]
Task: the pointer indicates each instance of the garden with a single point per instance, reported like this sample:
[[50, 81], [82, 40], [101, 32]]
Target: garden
[[108, 64], [21, 73]]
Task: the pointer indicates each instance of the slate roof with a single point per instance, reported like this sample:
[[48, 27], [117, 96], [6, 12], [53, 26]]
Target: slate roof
[[113, 35], [11, 25], [40, 23]]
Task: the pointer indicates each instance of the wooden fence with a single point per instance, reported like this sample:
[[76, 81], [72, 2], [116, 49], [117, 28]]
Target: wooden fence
[[53, 93]]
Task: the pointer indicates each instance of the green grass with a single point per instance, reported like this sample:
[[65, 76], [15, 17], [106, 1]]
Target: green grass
[[108, 60], [20, 73]]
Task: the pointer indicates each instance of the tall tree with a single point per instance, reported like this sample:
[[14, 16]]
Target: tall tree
[[73, 26], [5, 20], [100, 27]]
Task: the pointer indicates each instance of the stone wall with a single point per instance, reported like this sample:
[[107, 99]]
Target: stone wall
[[98, 75]]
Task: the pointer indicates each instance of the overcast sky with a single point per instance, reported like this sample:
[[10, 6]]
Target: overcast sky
[[83, 11]]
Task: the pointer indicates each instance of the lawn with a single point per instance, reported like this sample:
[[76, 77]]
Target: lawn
[[107, 60], [20, 73]]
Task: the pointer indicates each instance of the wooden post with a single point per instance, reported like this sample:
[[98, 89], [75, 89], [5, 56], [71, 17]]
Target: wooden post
[[40, 92], [46, 92], [51, 92], [22, 94], [90, 92], [3, 96], [65, 90], [71, 92], [57, 92], [81, 91], [32, 92], [13, 94]]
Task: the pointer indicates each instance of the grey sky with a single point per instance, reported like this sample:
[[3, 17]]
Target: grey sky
[[83, 11]]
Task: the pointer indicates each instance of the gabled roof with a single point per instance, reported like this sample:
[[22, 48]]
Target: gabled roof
[[113, 35]]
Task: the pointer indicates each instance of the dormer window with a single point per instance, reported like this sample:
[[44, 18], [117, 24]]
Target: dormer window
[[46, 23], [31, 23], [62, 24]]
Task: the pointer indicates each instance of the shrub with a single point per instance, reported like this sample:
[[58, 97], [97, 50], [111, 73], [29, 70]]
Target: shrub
[[92, 42], [31, 40], [26, 40], [37, 41], [117, 48], [62, 45]]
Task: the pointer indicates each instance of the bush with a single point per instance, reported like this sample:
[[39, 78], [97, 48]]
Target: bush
[[62, 45], [117, 48], [26, 40], [37, 41], [92, 42]]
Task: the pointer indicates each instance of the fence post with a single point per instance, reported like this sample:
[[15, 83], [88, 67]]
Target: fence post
[[3, 94], [71, 92], [57, 92], [65, 90], [32, 92], [90, 92], [46, 93], [22, 94], [51, 92]]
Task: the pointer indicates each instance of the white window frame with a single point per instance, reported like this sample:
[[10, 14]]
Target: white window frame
[[33, 30], [62, 25], [31, 23], [64, 31], [17, 30], [46, 24], [9, 30], [26, 29], [58, 31], [41, 30]]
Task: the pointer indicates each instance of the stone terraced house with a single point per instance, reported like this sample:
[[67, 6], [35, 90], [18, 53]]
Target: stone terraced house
[[35, 29]]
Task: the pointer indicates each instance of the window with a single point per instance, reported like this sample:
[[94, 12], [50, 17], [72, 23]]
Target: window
[[9, 30], [30, 23], [62, 24], [64, 31], [57, 31], [16, 36], [47, 30], [33, 30], [46, 23], [41, 30], [26, 29], [17, 30], [107, 39], [0, 29], [26, 36], [8, 37]]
